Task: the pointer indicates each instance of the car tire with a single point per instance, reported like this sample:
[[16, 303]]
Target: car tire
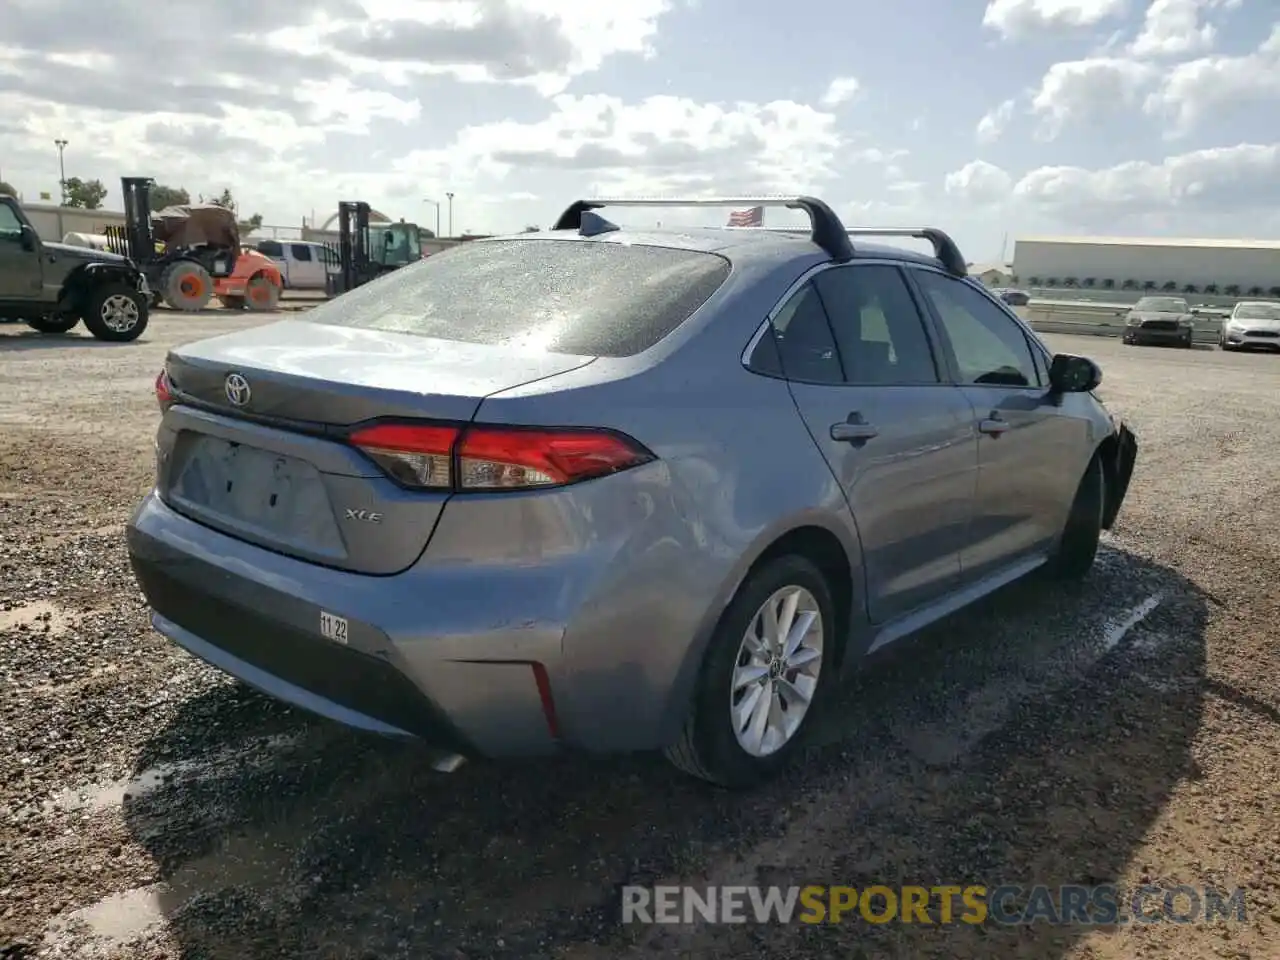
[[1078, 545], [116, 312], [53, 324], [709, 746]]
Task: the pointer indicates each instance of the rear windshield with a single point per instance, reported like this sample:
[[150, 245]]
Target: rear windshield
[[559, 296]]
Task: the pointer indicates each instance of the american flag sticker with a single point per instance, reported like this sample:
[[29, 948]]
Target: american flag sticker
[[753, 217]]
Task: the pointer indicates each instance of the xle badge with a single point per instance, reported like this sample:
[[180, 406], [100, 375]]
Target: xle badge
[[364, 516]]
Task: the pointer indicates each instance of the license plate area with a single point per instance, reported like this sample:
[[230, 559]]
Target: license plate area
[[261, 494], [333, 627]]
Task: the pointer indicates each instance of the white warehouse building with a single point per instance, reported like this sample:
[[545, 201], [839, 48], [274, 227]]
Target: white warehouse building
[[1252, 266]]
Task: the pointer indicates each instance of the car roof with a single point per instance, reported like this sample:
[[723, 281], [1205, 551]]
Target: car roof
[[735, 244]]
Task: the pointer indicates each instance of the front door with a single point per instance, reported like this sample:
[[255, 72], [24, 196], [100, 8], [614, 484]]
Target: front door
[[21, 274], [900, 442], [1028, 447]]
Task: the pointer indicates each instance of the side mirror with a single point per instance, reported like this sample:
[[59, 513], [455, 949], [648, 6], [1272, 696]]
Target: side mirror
[[29, 238], [1072, 374]]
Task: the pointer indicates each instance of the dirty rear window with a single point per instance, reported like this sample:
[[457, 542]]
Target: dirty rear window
[[558, 296]]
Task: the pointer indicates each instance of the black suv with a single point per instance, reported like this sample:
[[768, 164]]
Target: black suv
[[53, 286]]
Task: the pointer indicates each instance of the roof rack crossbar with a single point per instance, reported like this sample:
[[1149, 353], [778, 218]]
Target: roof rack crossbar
[[944, 248], [826, 230]]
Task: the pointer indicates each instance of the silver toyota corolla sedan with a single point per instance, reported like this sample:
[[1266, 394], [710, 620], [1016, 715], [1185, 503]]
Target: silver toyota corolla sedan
[[603, 489]]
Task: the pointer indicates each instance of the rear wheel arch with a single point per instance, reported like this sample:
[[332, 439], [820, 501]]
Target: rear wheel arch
[[836, 557], [826, 551]]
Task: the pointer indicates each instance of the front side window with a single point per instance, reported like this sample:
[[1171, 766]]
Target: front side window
[[10, 225], [989, 347]]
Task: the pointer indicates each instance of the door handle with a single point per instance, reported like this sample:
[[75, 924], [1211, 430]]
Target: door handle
[[854, 430], [993, 425]]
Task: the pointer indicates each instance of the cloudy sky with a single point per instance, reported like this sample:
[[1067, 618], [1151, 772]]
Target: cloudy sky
[[985, 118]]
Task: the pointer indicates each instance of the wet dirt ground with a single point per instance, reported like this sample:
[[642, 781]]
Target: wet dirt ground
[[1126, 732]]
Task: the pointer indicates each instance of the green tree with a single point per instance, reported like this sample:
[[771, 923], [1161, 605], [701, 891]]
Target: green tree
[[10, 189], [228, 202], [162, 196], [84, 194]]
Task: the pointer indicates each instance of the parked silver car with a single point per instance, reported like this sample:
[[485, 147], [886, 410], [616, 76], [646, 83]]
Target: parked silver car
[[1252, 324], [616, 489]]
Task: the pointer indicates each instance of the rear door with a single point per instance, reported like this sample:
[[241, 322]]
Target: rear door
[[900, 441], [1028, 448]]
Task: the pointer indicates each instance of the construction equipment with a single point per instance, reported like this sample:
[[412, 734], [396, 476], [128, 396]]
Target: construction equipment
[[366, 253], [182, 250], [256, 283]]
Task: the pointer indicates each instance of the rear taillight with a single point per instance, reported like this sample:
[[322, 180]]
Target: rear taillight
[[164, 394], [428, 456]]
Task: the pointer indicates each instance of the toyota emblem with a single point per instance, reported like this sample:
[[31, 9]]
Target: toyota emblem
[[237, 389]]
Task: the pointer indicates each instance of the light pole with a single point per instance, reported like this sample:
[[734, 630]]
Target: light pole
[[437, 206], [62, 170], [450, 196]]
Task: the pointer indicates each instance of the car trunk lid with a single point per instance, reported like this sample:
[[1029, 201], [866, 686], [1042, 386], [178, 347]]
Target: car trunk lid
[[255, 444]]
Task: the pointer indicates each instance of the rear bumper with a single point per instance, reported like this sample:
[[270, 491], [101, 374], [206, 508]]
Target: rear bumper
[[468, 686], [514, 636]]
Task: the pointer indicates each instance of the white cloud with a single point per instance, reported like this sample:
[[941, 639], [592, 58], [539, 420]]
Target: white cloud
[[316, 103], [1175, 27], [1017, 19], [1082, 91], [841, 90], [993, 124], [1196, 89], [1220, 185], [662, 144], [979, 182], [538, 43]]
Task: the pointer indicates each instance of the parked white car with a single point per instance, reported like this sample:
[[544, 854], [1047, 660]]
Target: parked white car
[[303, 264], [1253, 323]]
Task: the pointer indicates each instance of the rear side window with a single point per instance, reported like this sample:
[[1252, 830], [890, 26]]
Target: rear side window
[[271, 248], [798, 345], [301, 252], [560, 296]]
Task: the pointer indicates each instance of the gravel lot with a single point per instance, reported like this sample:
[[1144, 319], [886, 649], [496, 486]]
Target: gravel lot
[[1125, 732]]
